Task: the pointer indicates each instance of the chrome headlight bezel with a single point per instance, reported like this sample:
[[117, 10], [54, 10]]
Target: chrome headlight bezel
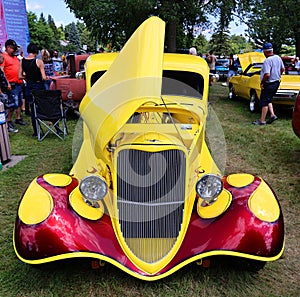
[[209, 187], [93, 188]]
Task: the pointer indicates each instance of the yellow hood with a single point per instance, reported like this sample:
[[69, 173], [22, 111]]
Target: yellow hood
[[250, 58], [133, 78]]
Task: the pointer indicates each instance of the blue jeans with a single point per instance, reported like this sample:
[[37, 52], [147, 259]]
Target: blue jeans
[[15, 96]]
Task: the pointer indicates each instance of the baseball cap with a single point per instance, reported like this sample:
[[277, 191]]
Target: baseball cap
[[12, 43], [268, 46]]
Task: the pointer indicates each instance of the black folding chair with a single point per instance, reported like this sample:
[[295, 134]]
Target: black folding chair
[[49, 113]]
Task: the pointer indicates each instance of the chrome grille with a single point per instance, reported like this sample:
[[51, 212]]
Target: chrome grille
[[151, 191]]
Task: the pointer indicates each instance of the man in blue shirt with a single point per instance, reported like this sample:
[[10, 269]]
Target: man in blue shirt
[[270, 76]]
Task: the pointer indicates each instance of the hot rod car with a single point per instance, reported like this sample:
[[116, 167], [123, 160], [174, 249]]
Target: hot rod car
[[145, 193], [72, 88], [247, 84]]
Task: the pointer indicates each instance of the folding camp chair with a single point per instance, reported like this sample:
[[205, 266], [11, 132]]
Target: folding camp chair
[[49, 113]]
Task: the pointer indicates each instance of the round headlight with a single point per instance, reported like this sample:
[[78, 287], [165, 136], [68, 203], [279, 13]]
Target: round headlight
[[209, 187], [93, 188]]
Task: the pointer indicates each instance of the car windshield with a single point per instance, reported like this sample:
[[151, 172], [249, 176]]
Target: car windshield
[[182, 83], [175, 83]]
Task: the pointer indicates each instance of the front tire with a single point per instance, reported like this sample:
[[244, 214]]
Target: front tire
[[253, 105]]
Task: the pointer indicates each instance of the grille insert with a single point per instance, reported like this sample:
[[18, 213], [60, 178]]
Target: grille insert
[[151, 191]]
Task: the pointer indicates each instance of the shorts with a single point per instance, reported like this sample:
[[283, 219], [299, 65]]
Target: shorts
[[230, 73], [15, 96], [268, 92]]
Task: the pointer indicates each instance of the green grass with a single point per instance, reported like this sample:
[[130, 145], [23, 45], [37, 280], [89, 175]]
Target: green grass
[[272, 152]]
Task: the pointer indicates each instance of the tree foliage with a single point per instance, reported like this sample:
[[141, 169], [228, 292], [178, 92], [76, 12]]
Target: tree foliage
[[46, 35], [111, 22], [114, 21], [275, 21]]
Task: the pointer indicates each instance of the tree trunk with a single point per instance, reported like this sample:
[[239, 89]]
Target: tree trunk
[[297, 44], [170, 39]]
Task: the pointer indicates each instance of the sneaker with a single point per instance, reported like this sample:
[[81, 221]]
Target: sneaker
[[12, 128], [259, 123], [272, 119], [20, 122], [224, 84]]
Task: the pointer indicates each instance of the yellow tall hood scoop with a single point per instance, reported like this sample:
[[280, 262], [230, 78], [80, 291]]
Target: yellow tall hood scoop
[[133, 78]]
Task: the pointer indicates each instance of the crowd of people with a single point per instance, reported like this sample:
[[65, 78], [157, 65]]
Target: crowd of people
[[20, 75]]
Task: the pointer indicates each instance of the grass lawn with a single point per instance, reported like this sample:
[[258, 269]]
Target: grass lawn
[[271, 151]]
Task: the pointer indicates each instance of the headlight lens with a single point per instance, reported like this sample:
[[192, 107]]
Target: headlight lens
[[209, 187], [93, 188]]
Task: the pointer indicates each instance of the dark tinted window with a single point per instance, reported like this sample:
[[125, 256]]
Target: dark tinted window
[[177, 83], [182, 83]]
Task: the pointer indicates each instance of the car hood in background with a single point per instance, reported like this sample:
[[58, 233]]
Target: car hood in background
[[252, 58]]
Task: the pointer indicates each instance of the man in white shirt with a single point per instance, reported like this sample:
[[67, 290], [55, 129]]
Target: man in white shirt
[[270, 76]]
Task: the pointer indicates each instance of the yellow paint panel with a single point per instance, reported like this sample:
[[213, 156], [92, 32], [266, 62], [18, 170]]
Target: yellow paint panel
[[57, 179], [240, 180], [84, 210], [250, 58], [215, 209], [36, 205], [150, 249], [141, 276], [263, 204], [134, 77]]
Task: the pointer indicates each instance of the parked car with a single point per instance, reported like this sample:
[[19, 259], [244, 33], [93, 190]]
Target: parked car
[[289, 66], [145, 193], [72, 87], [247, 84], [296, 116], [222, 67]]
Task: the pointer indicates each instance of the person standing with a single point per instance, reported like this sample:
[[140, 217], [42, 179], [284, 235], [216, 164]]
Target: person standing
[[193, 51], [3, 83], [58, 68], [297, 65], [211, 61], [32, 70], [10, 67], [270, 76], [48, 66], [231, 70]]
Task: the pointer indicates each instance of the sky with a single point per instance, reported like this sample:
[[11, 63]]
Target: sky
[[62, 15], [56, 8]]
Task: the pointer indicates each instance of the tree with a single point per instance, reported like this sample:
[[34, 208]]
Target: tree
[[74, 39], [40, 33], [220, 42], [113, 21], [239, 44], [273, 20]]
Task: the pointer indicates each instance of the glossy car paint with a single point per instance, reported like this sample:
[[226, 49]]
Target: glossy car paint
[[248, 81], [296, 116], [110, 127], [65, 234]]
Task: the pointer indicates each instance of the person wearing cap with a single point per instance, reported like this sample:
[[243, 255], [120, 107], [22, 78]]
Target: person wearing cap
[[270, 76], [10, 67]]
